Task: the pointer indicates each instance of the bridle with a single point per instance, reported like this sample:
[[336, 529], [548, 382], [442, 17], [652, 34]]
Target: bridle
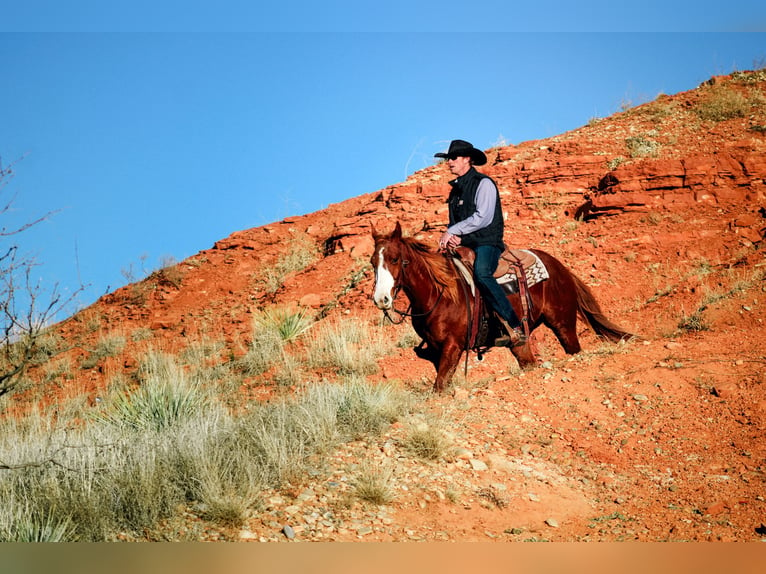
[[404, 314]]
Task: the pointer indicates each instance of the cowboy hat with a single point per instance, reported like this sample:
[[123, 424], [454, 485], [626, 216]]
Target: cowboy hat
[[461, 148]]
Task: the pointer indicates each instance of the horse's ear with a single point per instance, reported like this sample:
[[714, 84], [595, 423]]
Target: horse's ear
[[397, 232], [374, 231]]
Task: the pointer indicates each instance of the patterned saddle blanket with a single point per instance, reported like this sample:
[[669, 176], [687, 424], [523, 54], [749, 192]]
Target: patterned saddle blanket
[[534, 269]]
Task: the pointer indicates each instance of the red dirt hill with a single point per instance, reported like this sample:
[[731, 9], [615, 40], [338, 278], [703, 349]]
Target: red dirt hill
[[660, 209]]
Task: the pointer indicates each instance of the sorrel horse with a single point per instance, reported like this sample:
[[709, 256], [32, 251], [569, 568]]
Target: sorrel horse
[[440, 304]]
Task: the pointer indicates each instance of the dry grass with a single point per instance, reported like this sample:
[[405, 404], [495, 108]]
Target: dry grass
[[427, 442], [168, 446], [373, 484], [300, 254]]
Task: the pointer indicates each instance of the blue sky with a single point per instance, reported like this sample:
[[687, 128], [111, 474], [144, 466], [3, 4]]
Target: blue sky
[[150, 142]]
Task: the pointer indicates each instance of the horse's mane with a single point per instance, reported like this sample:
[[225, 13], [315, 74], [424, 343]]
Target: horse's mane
[[439, 267]]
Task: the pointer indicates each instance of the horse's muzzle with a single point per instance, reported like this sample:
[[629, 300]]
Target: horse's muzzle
[[383, 302]]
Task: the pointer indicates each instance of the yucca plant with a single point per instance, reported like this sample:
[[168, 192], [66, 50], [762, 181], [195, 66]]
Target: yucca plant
[[165, 398], [289, 324], [40, 526]]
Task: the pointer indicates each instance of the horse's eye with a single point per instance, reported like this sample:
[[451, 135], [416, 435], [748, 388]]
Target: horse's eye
[[394, 260]]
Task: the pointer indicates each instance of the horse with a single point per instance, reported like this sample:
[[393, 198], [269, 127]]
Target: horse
[[441, 304]]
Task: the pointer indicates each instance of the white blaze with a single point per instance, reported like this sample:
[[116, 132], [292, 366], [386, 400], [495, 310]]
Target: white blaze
[[384, 284]]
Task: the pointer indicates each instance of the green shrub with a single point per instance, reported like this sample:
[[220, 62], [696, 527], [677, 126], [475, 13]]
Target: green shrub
[[693, 323], [722, 103], [614, 163], [642, 146], [271, 330]]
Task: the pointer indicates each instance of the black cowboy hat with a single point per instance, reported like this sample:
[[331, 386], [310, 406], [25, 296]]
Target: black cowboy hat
[[461, 148]]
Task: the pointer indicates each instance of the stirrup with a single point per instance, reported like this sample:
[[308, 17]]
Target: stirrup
[[513, 337]]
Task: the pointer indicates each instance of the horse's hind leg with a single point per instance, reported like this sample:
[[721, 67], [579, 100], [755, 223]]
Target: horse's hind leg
[[565, 330]]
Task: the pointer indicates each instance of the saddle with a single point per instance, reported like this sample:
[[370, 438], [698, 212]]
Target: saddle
[[513, 264], [517, 270]]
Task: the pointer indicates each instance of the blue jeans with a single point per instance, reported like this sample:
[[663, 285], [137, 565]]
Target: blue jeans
[[487, 258]]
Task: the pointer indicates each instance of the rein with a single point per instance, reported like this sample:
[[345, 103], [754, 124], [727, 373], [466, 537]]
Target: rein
[[404, 314]]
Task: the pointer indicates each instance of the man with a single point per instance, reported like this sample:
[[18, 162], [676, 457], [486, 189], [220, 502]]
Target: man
[[476, 221]]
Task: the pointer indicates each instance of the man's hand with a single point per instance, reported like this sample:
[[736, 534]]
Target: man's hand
[[448, 241]]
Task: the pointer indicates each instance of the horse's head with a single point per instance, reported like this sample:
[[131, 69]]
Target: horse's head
[[387, 261]]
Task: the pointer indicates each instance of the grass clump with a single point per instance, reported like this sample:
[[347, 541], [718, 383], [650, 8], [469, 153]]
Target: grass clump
[[107, 346], [266, 347], [300, 254], [272, 330], [40, 527], [365, 410], [373, 484], [427, 442], [349, 348]]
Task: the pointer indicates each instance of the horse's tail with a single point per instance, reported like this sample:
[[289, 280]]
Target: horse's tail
[[590, 311]]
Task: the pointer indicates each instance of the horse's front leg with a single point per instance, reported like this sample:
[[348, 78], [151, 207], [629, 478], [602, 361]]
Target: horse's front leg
[[524, 355], [448, 361]]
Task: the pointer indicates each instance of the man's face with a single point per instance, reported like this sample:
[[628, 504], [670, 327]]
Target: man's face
[[459, 165]]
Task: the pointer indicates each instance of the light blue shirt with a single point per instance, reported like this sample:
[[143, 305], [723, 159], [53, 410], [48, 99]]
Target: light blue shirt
[[486, 196]]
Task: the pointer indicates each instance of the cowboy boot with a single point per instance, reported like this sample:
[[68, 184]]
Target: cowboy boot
[[513, 338]]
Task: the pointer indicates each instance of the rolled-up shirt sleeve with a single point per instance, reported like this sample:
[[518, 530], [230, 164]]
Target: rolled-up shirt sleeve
[[486, 196]]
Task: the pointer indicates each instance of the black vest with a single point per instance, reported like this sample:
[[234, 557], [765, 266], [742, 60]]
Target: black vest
[[462, 204]]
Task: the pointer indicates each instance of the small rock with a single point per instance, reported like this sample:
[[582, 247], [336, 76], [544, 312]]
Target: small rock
[[461, 394], [306, 495], [552, 522], [716, 508], [478, 465], [463, 453], [724, 390], [745, 220], [288, 531]]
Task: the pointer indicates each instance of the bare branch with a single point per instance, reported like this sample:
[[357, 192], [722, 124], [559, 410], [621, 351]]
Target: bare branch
[[25, 309]]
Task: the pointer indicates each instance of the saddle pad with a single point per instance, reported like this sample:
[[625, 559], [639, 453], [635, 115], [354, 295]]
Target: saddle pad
[[534, 268], [466, 273]]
